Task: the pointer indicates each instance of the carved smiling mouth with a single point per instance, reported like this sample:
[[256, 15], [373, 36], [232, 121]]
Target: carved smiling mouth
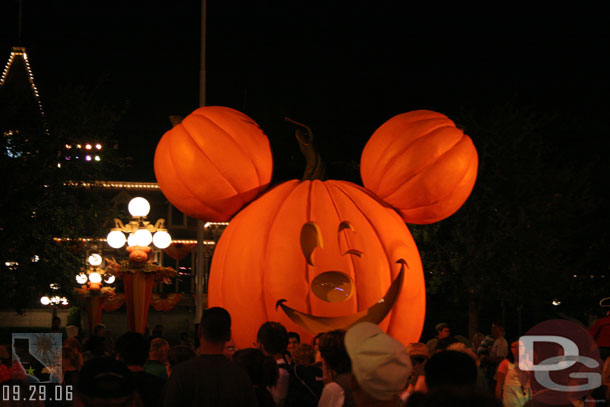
[[375, 314]]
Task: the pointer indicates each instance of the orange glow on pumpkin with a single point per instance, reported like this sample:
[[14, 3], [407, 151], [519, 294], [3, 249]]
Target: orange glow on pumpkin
[[421, 164], [213, 163], [329, 249]]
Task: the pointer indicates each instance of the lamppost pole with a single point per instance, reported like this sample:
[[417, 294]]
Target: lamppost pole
[[200, 260]]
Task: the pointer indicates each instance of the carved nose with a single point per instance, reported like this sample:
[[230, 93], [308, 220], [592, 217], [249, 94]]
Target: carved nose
[[332, 286]]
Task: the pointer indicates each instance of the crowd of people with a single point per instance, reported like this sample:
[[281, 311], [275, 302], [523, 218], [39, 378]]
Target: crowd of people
[[361, 366]]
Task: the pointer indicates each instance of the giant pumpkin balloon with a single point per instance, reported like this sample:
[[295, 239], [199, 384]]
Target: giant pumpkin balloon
[[213, 163], [421, 164], [318, 256]]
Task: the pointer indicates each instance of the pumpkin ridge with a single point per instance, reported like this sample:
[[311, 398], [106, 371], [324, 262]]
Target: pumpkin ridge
[[248, 157], [213, 165], [456, 186], [307, 273], [355, 292], [266, 245], [170, 158], [395, 157], [389, 146], [404, 184], [379, 238]]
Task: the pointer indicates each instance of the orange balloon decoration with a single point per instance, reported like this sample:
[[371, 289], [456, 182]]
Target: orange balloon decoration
[[213, 163], [318, 256], [421, 164]]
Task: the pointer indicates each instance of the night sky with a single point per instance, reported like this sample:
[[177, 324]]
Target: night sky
[[343, 69]]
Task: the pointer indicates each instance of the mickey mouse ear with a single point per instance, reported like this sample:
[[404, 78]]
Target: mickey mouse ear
[[421, 164], [213, 163]]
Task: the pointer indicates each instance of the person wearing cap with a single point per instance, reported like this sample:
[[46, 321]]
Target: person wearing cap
[[442, 332], [381, 366]]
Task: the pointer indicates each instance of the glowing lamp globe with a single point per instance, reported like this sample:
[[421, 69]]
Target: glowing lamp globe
[[116, 239], [138, 207], [45, 300], [162, 239], [109, 278], [81, 278], [142, 237], [95, 278], [95, 259]]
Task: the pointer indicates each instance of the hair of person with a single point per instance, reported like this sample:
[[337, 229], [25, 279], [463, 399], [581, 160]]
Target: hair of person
[[99, 327], [105, 382], [180, 353], [157, 344], [262, 370], [294, 335], [274, 337], [510, 356], [132, 348], [304, 354], [450, 368], [440, 326], [317, 338], [216, 325], [332, 350]]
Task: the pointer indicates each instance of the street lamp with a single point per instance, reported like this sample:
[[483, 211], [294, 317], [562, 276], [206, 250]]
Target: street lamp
[[94, 273], [53, 299], [139, 230]]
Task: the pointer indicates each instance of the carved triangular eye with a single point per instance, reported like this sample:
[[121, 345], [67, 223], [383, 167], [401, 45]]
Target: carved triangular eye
[[311, 237]]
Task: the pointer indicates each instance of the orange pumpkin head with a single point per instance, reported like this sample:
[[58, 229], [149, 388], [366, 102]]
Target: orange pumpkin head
[[213, 163], [138, 254], [318, 256], [421, 164]]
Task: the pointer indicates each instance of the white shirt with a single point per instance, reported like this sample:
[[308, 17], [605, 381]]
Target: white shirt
[[332, 396], [279, 391]]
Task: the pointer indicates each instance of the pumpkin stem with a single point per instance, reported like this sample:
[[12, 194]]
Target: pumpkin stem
[[315, 167], [176, 120]]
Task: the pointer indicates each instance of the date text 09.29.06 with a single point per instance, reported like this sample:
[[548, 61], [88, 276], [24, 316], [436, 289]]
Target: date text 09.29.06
[[36, 392]]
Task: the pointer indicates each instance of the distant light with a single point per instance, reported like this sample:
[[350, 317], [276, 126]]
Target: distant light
[[95, 259], [556, 303], [64, 301], [97, 158], [45, 300], [11, 264], [138, 207], [88, 157], [54, 286], [88, 146], [58, 165], [78, 146], [68, 146], [98, 146], [95, 277], [116, 239], [81, 278], [109, 278], [35, 258]]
